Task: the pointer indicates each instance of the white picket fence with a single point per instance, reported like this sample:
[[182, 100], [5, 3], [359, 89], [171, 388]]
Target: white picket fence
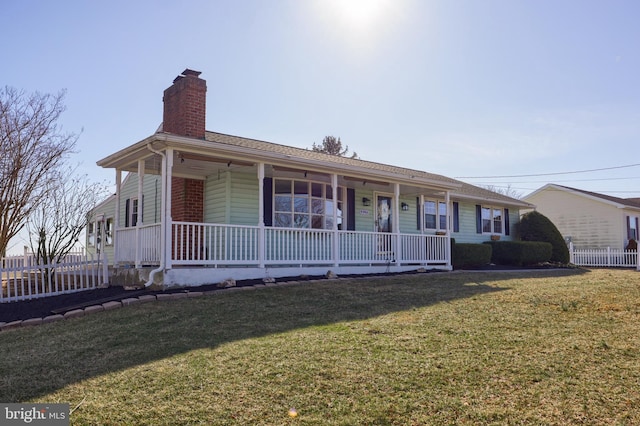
[[23, 279], [606, 258]]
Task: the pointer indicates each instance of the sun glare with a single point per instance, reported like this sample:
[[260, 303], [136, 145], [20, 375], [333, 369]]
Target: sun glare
[[357, 17], [360, 14]]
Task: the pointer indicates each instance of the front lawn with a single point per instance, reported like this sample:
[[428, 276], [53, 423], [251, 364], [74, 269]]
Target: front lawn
[[547, 347]]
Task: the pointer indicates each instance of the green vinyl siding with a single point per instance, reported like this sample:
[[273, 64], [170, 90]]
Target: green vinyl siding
[[215, 198], [231, 197], [408, 219], [244, 199], [152, 194], [365, 215], [467, 220]]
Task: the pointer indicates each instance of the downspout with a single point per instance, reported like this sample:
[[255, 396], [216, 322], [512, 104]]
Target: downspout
[[163, 215]]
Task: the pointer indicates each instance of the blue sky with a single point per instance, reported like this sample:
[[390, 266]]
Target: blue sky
[[460, 88]]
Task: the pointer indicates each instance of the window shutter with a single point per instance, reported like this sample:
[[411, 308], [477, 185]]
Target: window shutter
[[478, 219], [506, 222], [628, 227], [637, 228], [418, 219], [127, 207], [456, 217], [268, 201], [351, 209]]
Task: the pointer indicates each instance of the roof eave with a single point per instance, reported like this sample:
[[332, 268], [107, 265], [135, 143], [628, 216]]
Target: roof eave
[[514, 202], [166, 140]]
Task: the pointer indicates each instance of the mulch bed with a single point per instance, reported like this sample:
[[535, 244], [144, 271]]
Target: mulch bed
[[45, 306]]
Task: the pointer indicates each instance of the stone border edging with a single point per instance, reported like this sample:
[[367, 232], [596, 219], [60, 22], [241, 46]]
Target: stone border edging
[[145, 298]]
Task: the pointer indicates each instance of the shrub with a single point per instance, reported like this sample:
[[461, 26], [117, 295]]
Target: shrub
[[535, 226], [470, 255], [519, 253]]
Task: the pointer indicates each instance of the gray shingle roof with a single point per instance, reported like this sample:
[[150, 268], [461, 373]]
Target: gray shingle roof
[[631, 202], [465, 190], [319, 156]]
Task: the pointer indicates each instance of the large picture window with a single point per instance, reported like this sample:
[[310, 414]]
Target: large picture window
[[303, 204], [435, 215]]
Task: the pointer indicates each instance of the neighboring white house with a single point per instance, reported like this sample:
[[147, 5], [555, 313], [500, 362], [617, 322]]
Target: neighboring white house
[[197, 207], [588, 219]]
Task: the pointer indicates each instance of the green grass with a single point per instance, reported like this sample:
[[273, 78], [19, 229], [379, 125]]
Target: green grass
[[550, 347]]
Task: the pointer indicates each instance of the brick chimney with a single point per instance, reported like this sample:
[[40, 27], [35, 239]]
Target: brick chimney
[[184, 115], [185, 105]]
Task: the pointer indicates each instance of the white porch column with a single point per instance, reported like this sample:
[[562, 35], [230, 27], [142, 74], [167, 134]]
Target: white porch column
[[396, 222], [140, 219], [336, 236], [166, 182], [420, 208], [261, 230], [447, 200], [116, 217]]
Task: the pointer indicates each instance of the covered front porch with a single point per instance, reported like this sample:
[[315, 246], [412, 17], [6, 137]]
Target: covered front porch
[[205, 253], [261, 214]]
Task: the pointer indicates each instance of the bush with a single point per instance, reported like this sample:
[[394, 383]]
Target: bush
[[535, 226], [470, 255], [519, 253]]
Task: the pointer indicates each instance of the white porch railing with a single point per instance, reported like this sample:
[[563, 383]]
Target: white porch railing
[[214, 244], [23, 279], [607, 257], [148, 246], [286, 246], [222, 245]]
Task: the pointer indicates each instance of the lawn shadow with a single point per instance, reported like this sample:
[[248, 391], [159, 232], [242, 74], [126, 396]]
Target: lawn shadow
[[40, 360]]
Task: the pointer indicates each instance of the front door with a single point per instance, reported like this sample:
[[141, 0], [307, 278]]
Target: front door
[[384, 217], [383, 213]]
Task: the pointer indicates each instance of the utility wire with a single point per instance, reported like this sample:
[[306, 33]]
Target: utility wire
[[547, 174], [558, 181]]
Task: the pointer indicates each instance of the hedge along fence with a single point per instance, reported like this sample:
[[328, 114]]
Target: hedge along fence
[[519, 253]]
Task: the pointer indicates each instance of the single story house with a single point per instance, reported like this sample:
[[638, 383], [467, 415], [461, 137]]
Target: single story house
[[588, 219], [198, 207]]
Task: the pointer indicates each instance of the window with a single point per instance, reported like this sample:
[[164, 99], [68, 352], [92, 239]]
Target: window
[[302, 204], [99, 233], [131, 212], [497, 221], [435, 215], [91, 234], [492, 220], [108, 231], [134, 212], [486, 219], [633, 228]]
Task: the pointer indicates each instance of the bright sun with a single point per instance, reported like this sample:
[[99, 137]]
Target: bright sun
[[356, 16], [360, 14]]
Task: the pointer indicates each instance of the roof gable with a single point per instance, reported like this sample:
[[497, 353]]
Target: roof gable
[[618, 202]]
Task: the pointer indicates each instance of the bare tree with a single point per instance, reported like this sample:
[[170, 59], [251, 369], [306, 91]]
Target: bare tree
[[332, 145], [508, 191], [33, 147], [56, 223]]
